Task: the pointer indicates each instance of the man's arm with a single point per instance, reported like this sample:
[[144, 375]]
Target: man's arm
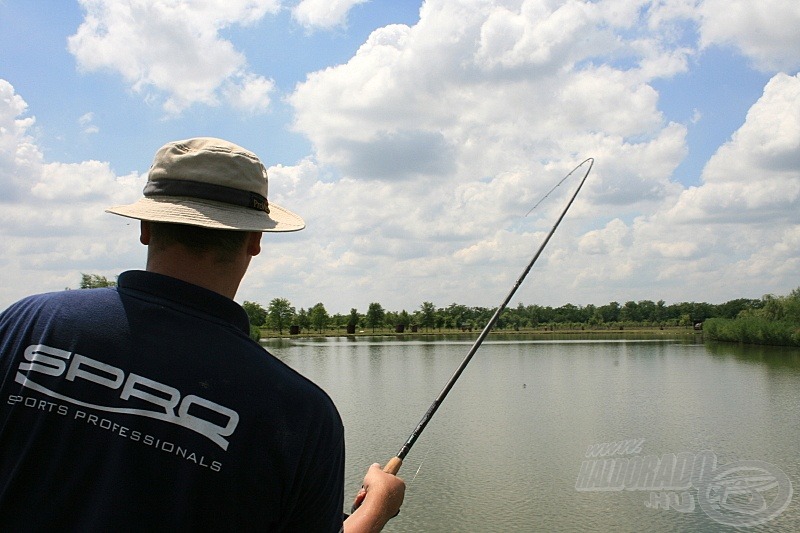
[[384, 495]]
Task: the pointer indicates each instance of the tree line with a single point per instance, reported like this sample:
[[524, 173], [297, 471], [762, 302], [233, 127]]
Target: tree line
[[280, 315], [769, 320]]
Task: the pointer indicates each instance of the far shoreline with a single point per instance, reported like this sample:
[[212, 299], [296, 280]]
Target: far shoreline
[[549, 331]]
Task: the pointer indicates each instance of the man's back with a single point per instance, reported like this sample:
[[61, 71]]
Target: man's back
[[148, 406]]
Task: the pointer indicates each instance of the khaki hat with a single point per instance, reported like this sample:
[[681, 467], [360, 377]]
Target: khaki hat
[[210, 183]]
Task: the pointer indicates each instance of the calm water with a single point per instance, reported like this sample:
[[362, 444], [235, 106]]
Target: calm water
[[505, 451]]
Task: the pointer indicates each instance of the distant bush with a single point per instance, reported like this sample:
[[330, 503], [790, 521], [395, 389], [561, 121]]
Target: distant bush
[[753, 330], [776, 322]]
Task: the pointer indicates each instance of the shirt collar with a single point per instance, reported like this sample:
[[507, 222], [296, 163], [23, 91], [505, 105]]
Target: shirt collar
[[185, 294]]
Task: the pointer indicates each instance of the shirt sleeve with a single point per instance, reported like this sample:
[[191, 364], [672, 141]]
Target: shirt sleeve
[[321, 502]]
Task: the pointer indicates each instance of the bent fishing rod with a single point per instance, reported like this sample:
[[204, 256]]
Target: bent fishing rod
[[394, 464]]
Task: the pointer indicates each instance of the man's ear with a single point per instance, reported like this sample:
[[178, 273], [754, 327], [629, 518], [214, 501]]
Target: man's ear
[[254, 243], [144, 232]]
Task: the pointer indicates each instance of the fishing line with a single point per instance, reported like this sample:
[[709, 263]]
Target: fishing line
[[394, 464], [420, 466], [543, 198]]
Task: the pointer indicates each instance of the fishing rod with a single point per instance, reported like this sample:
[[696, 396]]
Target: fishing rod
[[394, 464]]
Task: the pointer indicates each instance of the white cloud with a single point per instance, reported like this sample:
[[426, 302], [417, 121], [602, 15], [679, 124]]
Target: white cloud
[[435, 90], [472, 92], [18, 152], [85, 121], [766, 31], [251, 94], [769, 138], [535, 35], [615, 237], [755, 175], [70, 182], [323, 13], [173, 49], [52, 223]]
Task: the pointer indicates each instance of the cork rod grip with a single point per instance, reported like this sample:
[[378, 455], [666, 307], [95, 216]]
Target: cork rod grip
[[393, 466]]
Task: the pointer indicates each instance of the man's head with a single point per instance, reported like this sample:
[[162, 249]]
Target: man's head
[[210, 183], [204, 209], [220, 246]]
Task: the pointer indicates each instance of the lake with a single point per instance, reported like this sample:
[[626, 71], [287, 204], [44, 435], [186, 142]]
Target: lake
[[564, 434]]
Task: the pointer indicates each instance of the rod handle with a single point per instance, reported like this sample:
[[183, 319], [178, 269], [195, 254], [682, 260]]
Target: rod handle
[[393, 466]]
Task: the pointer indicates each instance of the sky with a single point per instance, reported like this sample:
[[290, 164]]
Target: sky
[[414, 138]]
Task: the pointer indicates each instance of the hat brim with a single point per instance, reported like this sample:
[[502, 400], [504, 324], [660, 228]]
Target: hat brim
[[210, 214]]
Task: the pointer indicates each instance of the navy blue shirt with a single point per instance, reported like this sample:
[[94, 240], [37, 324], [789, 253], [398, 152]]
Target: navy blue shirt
[[148, 407]]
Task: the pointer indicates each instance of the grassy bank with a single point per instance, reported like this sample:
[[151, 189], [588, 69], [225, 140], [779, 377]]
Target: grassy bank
[[753, 330]]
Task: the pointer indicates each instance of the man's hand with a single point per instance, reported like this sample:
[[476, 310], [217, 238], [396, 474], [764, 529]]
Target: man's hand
[[378, 500]]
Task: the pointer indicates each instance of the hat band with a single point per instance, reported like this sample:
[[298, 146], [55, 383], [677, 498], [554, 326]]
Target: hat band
[[206, 191]]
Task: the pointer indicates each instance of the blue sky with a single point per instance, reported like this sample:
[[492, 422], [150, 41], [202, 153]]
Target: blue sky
[[413, 137]]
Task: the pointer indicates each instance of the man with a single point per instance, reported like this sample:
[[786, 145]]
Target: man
[[148, 407]]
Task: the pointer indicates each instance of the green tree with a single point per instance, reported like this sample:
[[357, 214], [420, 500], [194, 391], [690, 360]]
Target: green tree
[[457, 315], [610, 312], [95, 281], [427, 315], [280, 313], [303, 320], [792, 303], [647, 311], [588, 312], [440, 319], [596, 319], [509, 319], [702, 311], [404, 318], [353, 317], [338, 320], [318, 317], [567, 313], [375, 315], [256, 314], [630, 312], [732, 308]]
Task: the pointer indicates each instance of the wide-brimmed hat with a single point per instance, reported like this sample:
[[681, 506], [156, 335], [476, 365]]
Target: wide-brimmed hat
[[211, 183]]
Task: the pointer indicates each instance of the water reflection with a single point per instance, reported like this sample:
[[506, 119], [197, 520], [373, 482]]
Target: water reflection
[[772, 356]]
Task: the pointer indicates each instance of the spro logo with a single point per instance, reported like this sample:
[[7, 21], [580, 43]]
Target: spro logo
[[168, 404]]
